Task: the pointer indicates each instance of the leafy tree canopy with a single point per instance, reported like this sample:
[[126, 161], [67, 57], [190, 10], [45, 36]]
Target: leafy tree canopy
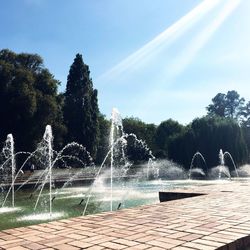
[[227, 105], [144, 132], [28, 99], [165, 132], [208, 135]]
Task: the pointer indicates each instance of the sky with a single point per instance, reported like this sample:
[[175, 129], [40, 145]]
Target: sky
[[153, 60]]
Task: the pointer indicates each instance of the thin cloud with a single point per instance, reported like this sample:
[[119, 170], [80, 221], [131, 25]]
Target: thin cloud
[[163, 39], [189, 53], [198, 43]]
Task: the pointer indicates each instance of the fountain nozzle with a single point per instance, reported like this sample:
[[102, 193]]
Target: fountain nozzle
[[119, 206], [82, 200]]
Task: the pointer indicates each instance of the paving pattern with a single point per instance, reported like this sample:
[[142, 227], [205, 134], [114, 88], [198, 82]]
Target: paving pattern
[[220, 219]]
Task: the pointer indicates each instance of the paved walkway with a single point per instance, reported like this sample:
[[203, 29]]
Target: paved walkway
[[218, 220]]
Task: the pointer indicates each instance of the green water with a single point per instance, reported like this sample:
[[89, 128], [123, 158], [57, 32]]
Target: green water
[[67, 201]]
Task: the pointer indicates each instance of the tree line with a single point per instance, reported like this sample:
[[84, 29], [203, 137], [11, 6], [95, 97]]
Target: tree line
[[226, 126], [29, 100]]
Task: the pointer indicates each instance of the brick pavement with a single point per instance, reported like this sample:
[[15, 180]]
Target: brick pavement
[[218, 220]]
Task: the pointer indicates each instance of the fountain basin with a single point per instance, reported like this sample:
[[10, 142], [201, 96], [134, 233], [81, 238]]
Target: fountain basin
[[68, 203], [218, 220]]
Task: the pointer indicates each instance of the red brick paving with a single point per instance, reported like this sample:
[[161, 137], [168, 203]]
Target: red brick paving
[[218, 220]]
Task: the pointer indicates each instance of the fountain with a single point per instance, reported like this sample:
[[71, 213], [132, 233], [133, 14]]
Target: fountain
[[129, 185], [223, 168], [116, 122], [46, 158], [231, 158], [244, 170], [118, 143], [197, 170], [9, 154], [46, 150], [41, 182], [8, 168], [48, 138]]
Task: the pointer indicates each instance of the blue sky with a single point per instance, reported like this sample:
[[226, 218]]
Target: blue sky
[[150, 59]]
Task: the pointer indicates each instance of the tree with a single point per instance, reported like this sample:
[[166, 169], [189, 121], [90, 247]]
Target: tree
[[28, 99], [218, 106], [164, 134], [182, 147], [245, 123], [227, 105], [234, 105], [104, 131], [245, 115], [208, 135], [81, 107], [144, 132]]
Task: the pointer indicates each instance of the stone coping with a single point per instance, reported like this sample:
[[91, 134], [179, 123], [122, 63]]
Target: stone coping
[[218, 220]]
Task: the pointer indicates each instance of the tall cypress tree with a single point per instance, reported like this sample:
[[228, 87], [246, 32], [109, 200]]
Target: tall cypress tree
[[81, 106]]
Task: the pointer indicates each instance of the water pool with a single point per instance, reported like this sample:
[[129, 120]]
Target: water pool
[[70, 202]]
